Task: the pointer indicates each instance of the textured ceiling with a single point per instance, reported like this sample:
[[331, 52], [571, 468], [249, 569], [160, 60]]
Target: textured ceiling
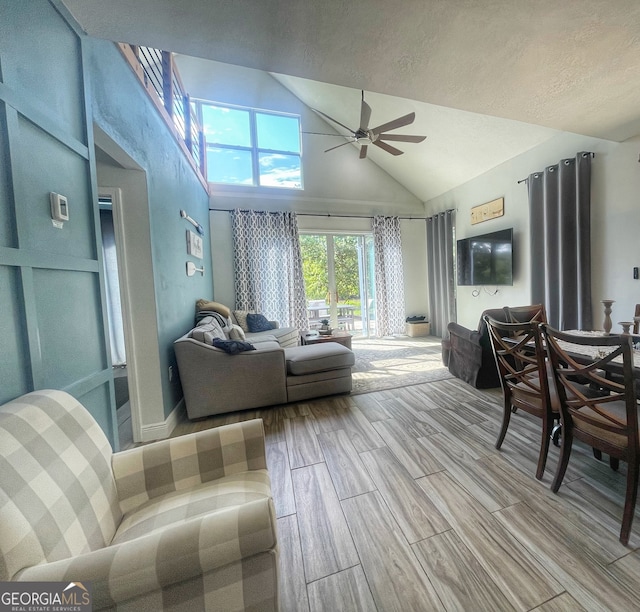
[[569, 66]]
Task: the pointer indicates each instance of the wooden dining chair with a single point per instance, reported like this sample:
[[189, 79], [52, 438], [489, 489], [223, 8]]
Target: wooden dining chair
[[522, 314], [603, 414], [526, 381], [636, 319]]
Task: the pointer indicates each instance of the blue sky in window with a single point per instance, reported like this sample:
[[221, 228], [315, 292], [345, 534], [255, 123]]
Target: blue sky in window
[[227, 126], [278, 166], [278, 132], [229, 166], [278, 170]]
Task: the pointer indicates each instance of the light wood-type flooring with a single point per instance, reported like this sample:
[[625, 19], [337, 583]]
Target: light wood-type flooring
[[398, 500]]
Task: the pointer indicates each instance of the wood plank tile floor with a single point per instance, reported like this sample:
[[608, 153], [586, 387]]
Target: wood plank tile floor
[[398, 500]]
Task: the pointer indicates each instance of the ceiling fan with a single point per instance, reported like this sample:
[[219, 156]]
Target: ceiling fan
[[375, 136]]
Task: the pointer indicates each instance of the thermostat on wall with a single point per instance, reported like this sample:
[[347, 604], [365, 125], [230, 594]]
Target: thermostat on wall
[[59, 209]]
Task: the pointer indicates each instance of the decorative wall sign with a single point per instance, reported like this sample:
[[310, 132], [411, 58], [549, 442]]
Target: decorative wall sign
[[487, 211], [194, 244]]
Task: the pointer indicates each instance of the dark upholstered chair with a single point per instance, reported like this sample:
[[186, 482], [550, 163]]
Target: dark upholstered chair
[[468, 353], [603, 414]]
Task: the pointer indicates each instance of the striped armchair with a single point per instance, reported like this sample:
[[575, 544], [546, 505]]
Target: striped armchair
[[181, 524]]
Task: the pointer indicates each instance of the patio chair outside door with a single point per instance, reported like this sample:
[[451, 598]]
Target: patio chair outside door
[[338, 272]]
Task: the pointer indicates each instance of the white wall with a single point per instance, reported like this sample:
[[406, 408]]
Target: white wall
[[337, 183], [414, 262], [615, 217], [222, 258], [333, 182]]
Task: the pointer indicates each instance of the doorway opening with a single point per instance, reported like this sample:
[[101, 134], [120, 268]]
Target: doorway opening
[[339, 281], [112, 257]]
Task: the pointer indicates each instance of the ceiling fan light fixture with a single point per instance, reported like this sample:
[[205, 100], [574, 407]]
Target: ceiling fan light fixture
[[365, 136]]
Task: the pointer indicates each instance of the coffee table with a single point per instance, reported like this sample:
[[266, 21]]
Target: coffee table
[[313, 337]]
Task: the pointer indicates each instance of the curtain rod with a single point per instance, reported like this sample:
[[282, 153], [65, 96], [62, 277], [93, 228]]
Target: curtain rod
[[585, 154], [326, 215]]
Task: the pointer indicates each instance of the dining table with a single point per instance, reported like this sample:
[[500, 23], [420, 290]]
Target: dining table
[[581, 352]]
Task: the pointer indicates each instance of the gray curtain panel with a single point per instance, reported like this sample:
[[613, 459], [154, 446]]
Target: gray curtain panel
[[268, 266], [441, 271], [560, 226], [388, 275]]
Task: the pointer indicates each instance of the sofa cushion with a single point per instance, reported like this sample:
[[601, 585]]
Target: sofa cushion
[[207, 331], [312, 358], [285, 336], [202, 499], [233, 347], [262, 339], [258, 322], [225, 311], [317, 377], [206, 316]]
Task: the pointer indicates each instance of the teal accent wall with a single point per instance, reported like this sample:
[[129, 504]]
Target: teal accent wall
[[54, 83], [52, 326], [123, 110]]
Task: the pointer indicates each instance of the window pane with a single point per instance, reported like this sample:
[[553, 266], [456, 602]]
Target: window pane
[[229, 166], [277, 170], [278, 133], [228, 126]]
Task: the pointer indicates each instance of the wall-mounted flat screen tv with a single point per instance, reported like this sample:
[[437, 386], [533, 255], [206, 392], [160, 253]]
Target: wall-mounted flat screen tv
[[486, 259]]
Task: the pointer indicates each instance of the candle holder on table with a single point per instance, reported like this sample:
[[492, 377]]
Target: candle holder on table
[[606, 325]]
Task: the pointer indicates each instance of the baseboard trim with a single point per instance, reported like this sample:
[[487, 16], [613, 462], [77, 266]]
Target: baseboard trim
[[162, 430]]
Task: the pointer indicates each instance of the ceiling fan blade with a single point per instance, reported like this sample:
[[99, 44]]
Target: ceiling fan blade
[[396, 123], [334, 120], [363, 151], [365, 114], [388, 148], [401, 137], [325, 134], [338, 146]]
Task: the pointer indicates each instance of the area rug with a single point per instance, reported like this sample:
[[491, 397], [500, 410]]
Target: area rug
[[389, 363]]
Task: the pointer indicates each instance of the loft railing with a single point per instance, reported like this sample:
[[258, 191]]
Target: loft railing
[[159, 76]]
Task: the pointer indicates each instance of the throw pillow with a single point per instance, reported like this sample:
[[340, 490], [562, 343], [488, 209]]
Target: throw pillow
[[236, 333], [206, 332], [233, 347], [241, 318], [258, 323], [205, 320], [214, 306]]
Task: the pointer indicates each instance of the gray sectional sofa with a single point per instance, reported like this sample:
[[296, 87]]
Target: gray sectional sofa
[[275, 371]]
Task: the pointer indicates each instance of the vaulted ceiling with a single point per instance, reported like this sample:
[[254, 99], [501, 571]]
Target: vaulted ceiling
[[488, 79]]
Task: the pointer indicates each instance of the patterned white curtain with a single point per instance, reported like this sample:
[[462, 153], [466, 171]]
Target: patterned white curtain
[[268, 266], [389, 278]]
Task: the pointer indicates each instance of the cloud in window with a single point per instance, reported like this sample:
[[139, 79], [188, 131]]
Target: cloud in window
[[281, 177]]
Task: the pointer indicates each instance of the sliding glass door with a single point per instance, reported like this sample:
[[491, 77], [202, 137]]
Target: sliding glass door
[[338, 274]]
